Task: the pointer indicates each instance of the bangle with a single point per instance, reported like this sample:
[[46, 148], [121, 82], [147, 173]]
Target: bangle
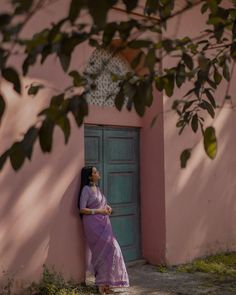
[[92, 211]]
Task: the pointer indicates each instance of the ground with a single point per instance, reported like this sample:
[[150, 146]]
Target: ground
[[213, 275], [146, 279]]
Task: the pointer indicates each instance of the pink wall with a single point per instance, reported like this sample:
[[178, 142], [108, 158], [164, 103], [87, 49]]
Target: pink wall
[[184, 213], [39, 222], [38, 213], [152, 185], [200, 200]]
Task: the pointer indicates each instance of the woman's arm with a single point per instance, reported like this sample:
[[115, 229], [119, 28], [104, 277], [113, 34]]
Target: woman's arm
[[87, 211]]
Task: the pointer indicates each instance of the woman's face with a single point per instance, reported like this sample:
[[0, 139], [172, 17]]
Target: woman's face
[[95, 175]]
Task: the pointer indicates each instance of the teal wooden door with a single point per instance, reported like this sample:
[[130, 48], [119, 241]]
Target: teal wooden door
[[115, 152]]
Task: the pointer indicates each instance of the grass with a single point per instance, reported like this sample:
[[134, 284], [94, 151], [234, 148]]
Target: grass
[[51, 283], [221, 264], [220, 270]]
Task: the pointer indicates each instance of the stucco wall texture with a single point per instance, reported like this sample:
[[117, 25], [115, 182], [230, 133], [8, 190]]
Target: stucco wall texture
[[200, 200], [184, 213], [39, 221]]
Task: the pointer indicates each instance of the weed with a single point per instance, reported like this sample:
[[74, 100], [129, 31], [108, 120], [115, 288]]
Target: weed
[[51, 283], [221, 264], [162, 268]]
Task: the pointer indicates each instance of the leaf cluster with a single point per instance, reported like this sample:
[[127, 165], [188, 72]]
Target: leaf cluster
[[195, 63]]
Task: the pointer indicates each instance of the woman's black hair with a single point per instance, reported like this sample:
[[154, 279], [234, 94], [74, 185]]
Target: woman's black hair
[[86, 173]]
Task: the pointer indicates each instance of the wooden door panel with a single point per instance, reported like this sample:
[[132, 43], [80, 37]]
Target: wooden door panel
[[120, 187], [94, 149]]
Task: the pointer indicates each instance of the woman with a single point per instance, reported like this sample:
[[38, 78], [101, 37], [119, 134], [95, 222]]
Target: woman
[[107, 260]]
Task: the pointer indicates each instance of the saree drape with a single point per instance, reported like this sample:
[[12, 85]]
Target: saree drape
[[106, 261]]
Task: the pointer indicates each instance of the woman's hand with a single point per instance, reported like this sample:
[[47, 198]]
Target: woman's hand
[[104, 211], [109, 209]]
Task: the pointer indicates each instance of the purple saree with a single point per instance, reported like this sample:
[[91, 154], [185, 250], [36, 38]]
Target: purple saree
[[106, 258]]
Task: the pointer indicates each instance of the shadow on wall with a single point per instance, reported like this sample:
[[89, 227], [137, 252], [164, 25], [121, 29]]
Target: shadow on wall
[[200, 200], [64, 235], [39, 222]]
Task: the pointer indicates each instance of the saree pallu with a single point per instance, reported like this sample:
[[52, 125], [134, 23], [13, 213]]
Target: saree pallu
[[107, 263]]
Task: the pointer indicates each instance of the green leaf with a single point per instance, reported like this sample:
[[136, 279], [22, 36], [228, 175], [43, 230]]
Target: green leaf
[[57, 100], [3, 59], [148, 94], [125, 28], [210, 142], [83, 110], [129, 89], [36, 43], [184, 157], [29, 140], [150, 59], [226, 73], [206, 106], [136, 61], [119, 100], [130, 4], [139, 100], [188, 60], [204, 63], [5, 19], [22, 6], [210, 97], [30, 60], [93, 43], [79, 108], [75, 8], [33, 90], [151, 6], [194, 123], [187, 105], [180, 75], [217, 77], [2, 107], [65, 61], [211, 83], [213, 5], [45, 135], [64, 124], [55, 35], [109, 32], [17, 155], [98, 10], [78, 80], [234, 27], [233, 50], [52, 113], [140, 43], [3, 159], [204, 8], [12, 76], [159, 82], [167, 44], [169, 85], [47, 50], [215, 20]]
